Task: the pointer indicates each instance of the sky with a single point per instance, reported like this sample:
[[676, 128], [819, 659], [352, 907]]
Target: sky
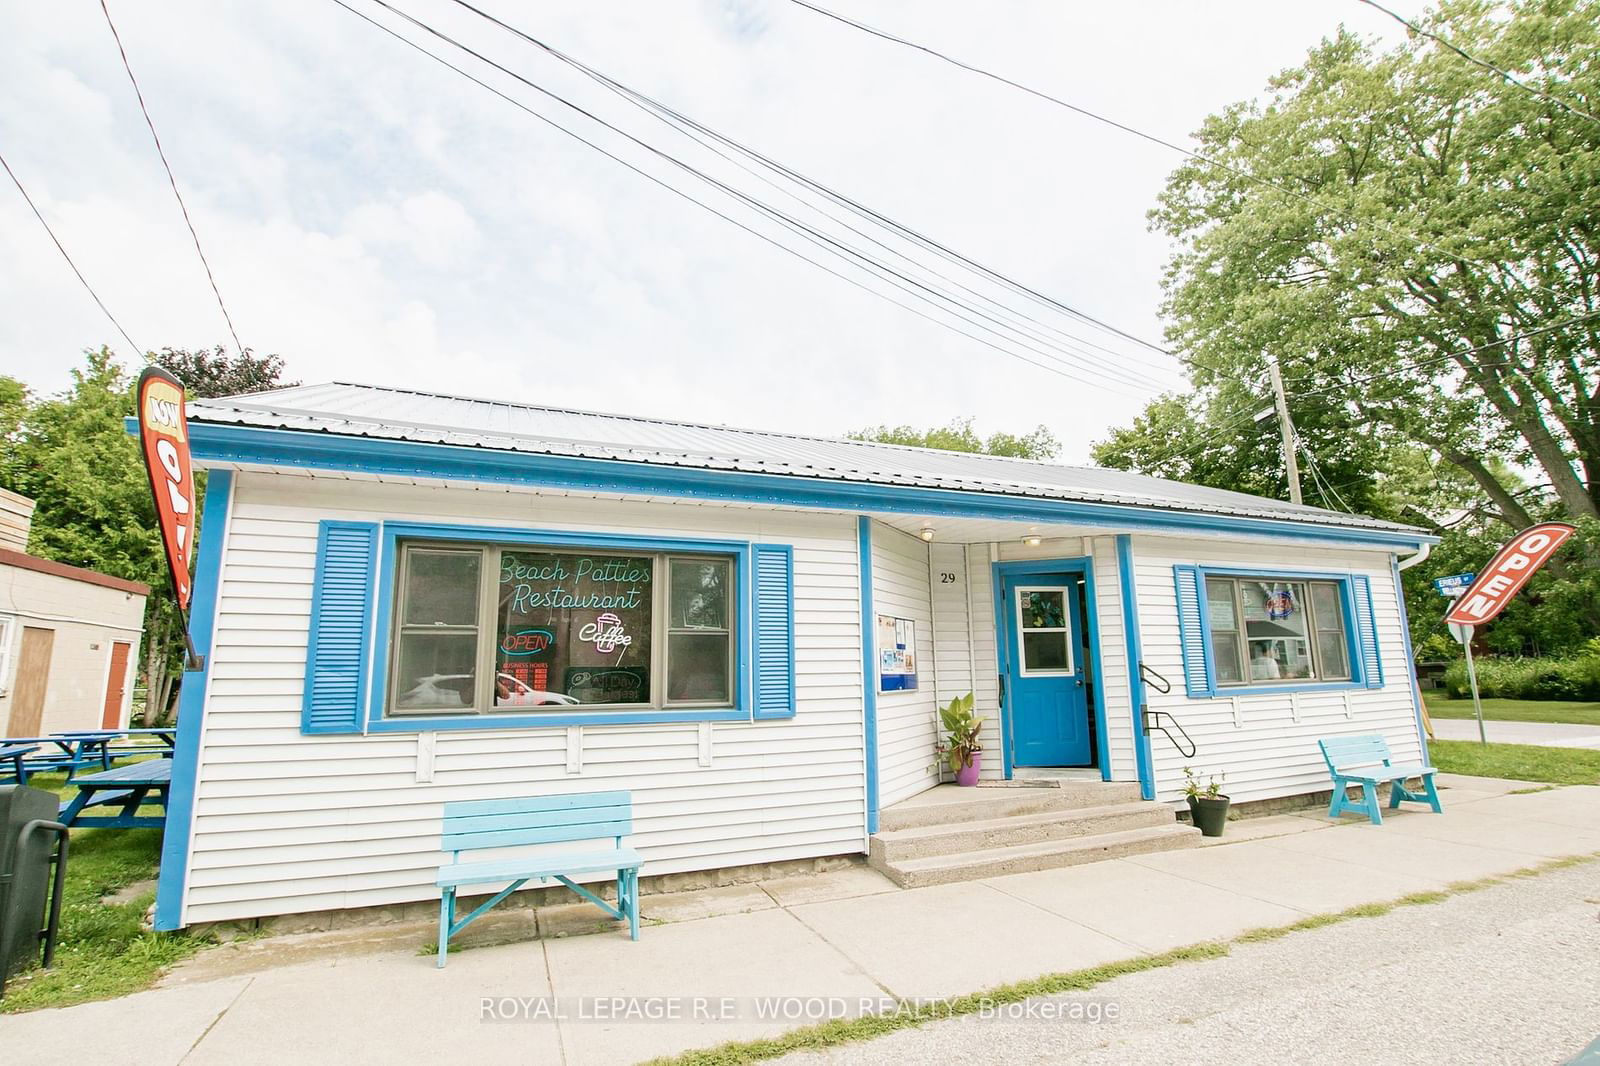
[[372, 216]]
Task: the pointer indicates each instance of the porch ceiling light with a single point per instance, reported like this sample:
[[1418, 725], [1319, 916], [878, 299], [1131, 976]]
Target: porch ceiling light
[[1033, 540], [926, 533]]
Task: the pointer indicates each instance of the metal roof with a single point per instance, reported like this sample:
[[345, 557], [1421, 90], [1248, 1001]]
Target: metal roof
[[400, 414]]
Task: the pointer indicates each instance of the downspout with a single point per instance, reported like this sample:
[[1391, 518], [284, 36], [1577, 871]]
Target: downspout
[[1412, 560]]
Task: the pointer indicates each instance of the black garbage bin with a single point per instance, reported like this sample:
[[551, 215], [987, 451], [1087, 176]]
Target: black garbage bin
[[28, 836]]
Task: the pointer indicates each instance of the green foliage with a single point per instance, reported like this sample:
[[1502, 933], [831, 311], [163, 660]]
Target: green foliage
[[1518, 762], [959, 436], [1195, 789], [207, 374], [1571, 712], [1577, 678], [961, 731]]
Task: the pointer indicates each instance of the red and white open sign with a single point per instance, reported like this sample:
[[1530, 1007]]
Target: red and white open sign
[[164, 437], [1510, 569]]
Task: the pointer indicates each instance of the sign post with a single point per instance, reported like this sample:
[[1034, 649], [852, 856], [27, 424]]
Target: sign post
[[164, 439], [1495, 586]]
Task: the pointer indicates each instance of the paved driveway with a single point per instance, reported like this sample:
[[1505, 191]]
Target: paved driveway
[[1542, 734]]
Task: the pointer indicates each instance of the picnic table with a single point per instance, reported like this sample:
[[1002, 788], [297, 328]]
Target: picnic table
[[129, 787], [85, 747], [15, 753]]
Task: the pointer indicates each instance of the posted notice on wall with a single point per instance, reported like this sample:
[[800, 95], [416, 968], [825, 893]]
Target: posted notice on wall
[[897, 654]]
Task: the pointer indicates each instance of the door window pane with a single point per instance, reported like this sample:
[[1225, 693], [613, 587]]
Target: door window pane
[[1044, 609], [573, 627], [1045, 651]]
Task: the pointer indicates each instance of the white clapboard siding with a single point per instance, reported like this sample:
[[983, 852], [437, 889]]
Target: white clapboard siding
[[1267, 744], [907, 721], [1117, 675], [285, 822]]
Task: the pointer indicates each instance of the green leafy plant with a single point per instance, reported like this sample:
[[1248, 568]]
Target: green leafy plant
[[1211, 788], [961, 732]]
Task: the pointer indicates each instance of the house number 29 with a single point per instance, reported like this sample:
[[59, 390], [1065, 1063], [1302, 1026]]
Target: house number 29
[[946, 578]]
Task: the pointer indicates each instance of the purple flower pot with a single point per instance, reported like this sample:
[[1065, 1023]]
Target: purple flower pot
[[967, 776]]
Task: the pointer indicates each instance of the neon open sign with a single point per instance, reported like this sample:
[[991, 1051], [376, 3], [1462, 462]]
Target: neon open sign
[[527, 642]]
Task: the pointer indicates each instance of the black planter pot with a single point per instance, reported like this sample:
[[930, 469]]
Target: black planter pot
[[1209, 813]]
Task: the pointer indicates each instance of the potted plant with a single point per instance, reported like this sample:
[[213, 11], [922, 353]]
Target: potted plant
[[960, 745], [1208, 807]]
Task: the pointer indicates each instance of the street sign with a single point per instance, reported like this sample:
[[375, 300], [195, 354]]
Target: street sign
[[1462, 632], [1454, 585], [1508, 571]]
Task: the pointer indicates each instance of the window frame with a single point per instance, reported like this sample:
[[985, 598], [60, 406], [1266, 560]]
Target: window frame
[[397, 536], [1342, 582], [1066, 630]]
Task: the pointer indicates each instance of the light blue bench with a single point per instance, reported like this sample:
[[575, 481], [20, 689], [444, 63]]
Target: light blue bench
[[1365, 761], [476, 825]]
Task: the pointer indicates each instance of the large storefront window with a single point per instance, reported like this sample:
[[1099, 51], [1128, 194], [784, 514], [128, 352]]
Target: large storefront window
[[489, 628], [1266, 631]]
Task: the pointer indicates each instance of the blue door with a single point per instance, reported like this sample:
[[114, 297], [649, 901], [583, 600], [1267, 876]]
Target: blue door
[[1045, 671]]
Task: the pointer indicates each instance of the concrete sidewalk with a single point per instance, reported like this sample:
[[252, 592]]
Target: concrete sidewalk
[[1541, 734], [366, 996]]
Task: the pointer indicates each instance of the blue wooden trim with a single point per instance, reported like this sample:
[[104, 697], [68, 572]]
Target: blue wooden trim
[[1193, 640], [769, 703], [326, 451], [173, 877], [869, 671], [1411, 662], [1130, 625], [1002, 658], [394, 532]]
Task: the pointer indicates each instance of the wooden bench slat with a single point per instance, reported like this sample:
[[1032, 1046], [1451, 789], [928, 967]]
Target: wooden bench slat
[[538, 834], [480, 823], [482, 873], [1366, 761]]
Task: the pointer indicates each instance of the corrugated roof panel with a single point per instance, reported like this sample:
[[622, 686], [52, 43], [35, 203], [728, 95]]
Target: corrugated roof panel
[[399, 414]]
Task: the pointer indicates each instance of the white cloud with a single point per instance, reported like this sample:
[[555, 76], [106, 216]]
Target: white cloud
[[372, 216]]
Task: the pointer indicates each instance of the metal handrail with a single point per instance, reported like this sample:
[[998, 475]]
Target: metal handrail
[[1152, 720]]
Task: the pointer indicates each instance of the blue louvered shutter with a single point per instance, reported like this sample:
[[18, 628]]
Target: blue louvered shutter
[[773, 650], [341, 622], [1366, 631], [1196, 677]]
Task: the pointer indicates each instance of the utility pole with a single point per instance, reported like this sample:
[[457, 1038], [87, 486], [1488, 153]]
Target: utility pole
[[1291, 460]]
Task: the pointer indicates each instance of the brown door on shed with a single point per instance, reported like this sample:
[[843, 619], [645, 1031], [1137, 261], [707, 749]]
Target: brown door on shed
[[116, 686], [33, 674]]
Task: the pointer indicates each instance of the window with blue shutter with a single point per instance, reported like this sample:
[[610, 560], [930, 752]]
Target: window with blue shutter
[[1367, 631], [1244, 631], [1191, 632], [773, 631], [341, 617]]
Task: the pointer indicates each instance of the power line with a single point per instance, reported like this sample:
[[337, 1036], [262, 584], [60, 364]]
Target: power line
[[1198, 157], [57, 241], [769, 213], [1504, 75], [170, 179], [680, 120], [808, 233]]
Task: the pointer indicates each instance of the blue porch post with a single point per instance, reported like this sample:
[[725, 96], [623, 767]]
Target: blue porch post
[[1130, 625], [869, 675]]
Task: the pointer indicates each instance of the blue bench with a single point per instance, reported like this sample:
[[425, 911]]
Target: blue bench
[[1365, 761], [477, 825]]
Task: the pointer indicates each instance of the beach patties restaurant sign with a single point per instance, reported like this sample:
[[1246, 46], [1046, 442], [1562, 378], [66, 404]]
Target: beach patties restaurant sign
[[164, 439]]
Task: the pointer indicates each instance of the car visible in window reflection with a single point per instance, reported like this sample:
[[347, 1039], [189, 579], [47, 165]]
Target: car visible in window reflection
[[454, 691], [513, 692]]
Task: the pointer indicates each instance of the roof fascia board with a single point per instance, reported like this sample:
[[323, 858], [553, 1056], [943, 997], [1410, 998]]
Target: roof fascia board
[[327, 451]]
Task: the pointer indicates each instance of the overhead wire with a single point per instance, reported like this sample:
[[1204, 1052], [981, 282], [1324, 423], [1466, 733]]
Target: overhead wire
[[669, 187], [62, 249], [911, 286], [171, 180]]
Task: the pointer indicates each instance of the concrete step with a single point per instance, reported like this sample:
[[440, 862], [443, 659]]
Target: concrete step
[[1045, 855], [949, 838], [949, 803]]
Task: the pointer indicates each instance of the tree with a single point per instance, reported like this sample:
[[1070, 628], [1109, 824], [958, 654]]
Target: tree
[[73, 456], [959, 436], [206, 375], [1416, 241]]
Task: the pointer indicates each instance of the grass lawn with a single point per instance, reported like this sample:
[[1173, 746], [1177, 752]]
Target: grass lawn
[[1520, 762], [1439, 706], [102, 950]]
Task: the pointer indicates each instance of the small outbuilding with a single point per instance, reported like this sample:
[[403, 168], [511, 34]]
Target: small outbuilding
[[405, 599], [69, 637]]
